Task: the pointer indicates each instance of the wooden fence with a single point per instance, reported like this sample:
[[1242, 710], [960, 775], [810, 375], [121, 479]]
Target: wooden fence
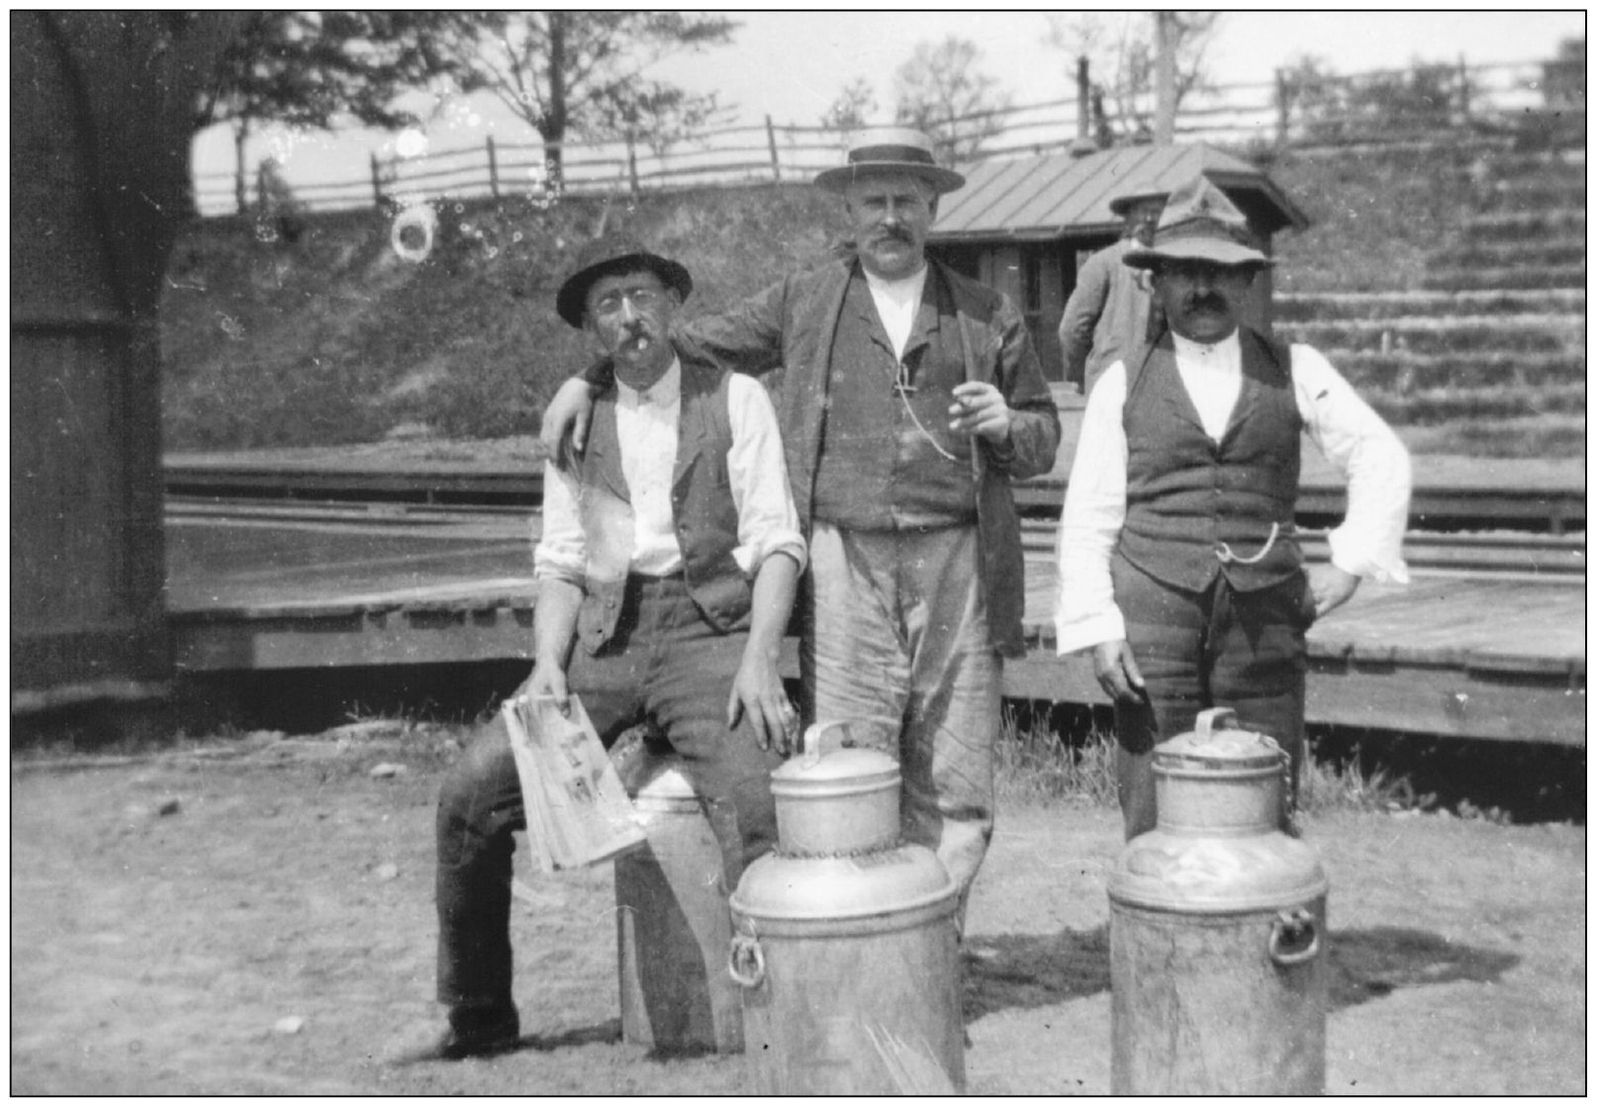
[[1293, 110]]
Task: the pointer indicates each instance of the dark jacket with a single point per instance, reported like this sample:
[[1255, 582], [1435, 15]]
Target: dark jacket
[[790, 326]]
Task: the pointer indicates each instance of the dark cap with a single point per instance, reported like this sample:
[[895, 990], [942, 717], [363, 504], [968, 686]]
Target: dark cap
[[614, 254]]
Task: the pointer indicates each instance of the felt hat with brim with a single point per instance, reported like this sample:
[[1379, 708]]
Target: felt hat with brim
[[890, 150], [605, 257], [1199, 223], [1121, 205]]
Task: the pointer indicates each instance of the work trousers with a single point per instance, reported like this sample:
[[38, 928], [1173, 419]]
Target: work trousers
[[666, 666], [898, 642], [1196, 650]]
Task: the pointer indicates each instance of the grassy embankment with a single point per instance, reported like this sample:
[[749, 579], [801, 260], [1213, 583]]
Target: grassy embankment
[[333, 339]]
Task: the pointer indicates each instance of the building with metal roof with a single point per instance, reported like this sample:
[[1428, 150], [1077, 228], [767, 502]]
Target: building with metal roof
[[1025, 225]]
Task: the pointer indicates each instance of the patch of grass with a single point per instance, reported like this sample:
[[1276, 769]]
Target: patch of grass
[[1036, 762]]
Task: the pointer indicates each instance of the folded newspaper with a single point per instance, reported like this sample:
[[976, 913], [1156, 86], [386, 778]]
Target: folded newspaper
[[578, 812]]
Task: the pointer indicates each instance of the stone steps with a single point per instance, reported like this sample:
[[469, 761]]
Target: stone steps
[[1454, 404], [1404, 373], [1444, 335], [1518, 226], [1290, 307], [1572, 275], [1555, 251]]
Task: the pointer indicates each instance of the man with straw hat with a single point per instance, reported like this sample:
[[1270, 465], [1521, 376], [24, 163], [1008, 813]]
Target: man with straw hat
[[1179, 563], [667, 568], [910, 397], [1107, 314]]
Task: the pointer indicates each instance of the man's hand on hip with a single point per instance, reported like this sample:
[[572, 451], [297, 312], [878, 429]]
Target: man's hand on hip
[[980, 409], [1331, 587], [1117, 672]]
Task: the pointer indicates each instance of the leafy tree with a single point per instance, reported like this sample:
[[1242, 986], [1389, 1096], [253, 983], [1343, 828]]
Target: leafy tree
[[583, 71], [1122, 47], [939, 91], [316, 69], [852, 108]]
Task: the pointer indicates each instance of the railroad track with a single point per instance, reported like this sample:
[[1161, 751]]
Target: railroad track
[[1499, 552]]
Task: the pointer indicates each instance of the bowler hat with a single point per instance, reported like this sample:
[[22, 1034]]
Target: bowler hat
[[1199, 223], [890, 150], [1124, 203], [614, 254]]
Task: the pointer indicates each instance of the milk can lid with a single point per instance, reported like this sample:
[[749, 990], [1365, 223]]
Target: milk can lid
[[821, 761], [1213, 743]]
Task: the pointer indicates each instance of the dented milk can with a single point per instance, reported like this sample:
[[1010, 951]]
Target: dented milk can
[[1218, 930], [672, 923], [844, 939]]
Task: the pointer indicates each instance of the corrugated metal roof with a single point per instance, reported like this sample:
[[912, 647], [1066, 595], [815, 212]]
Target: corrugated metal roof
[[1048, 196]]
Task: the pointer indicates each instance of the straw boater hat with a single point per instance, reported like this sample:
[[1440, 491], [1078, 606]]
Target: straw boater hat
[[1122, 204], [614, 254], [1199, 224], [891, 150]]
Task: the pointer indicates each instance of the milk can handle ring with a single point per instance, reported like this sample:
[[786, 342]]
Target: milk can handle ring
[[813, 740], [1208, 719], [745, 961], [1294, 938]]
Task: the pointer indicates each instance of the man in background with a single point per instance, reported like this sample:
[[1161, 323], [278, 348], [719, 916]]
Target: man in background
[[1107, 314]]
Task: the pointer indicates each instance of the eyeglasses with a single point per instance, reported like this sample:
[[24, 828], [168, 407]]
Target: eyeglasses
[[642, 299]]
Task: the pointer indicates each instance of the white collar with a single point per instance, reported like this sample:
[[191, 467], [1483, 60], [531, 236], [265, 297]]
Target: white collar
[[905, 288], [1190, 350], [663, 393]]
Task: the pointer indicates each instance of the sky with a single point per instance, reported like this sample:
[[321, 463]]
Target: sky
[[792, 64]]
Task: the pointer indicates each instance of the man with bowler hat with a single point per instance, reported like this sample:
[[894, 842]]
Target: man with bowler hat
[[666, 569], [910, 398], [1179, 564]]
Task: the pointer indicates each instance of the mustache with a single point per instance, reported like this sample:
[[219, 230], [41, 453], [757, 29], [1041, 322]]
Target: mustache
[[894, 234], [1208, 302]]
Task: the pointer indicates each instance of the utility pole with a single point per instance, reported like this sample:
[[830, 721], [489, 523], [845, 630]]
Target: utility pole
[[1165, 77]]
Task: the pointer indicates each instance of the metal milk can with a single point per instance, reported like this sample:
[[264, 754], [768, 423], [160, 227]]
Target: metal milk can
[[845, 940], [1218, 930], [672, 924]]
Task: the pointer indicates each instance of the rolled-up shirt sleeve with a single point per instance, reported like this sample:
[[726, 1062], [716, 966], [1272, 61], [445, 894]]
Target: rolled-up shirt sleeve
[[767, 520], [558, 549], [1373, 462], [1091, 520]]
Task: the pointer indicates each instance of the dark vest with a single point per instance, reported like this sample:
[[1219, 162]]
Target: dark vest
[[703, 511], [1188, 498], [876, 470]]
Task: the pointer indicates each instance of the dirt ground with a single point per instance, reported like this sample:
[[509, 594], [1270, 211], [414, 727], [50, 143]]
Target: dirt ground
[[253, 915]]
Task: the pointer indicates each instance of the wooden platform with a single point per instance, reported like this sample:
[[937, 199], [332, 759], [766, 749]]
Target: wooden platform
[[1500, 658]]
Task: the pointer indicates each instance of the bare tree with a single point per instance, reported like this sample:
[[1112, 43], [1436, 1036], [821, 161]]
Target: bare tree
[[584, 71], [852, 108], [940, 91], [1120, 48]]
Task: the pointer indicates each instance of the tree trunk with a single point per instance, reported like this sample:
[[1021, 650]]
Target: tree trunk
[[554, 129], [1165, 77]]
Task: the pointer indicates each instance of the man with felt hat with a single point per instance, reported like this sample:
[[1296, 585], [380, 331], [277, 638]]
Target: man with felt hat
[[910, 398], [666, 572], [1180, 567], [1107, 314]]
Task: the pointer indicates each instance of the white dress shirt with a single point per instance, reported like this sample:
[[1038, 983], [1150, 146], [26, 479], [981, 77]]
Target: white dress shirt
[[646, 430], [897, 302], [1349, 433]]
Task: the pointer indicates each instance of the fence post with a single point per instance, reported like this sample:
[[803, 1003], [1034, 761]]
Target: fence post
[[240, 196], [632, 165], [377, 182], [1282, 107], [1465, 91], [771, 144], [494, 168]]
